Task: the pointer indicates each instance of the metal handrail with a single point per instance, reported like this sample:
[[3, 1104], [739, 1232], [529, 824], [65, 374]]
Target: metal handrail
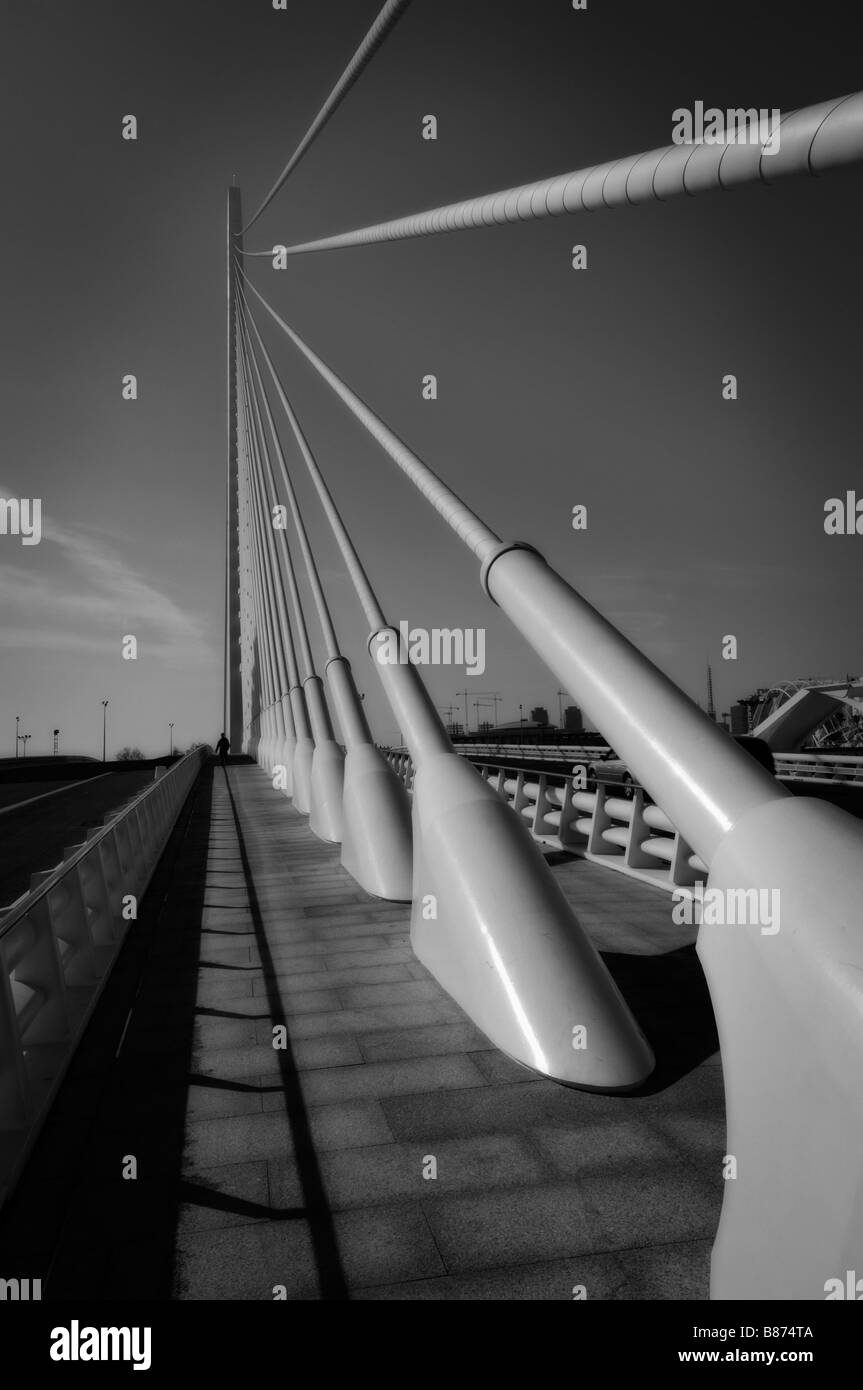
[[14, 911], [58, 944]]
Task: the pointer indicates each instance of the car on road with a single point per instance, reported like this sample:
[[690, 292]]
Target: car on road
[[608, 767]]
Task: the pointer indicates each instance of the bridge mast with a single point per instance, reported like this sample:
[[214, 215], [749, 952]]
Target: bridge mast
[[232, 717]]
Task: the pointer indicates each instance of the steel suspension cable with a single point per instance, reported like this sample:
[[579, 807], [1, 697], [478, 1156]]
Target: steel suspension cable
[[813, 140], [704, 782], [272, 656], [365, 593], [408, 697], [467, 525], [245, 577], [255, 608], [267, 487], [284, 641], [391, 12], [331, 641], [270, 634], [348, 701]]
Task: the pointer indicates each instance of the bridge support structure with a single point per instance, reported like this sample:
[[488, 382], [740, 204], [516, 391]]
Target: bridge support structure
[[232, 715], [753, 838]]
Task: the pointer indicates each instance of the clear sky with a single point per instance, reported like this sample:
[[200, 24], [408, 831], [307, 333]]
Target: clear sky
[[556, 387]]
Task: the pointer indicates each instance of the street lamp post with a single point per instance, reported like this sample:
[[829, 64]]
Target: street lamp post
[[171, 753], [24, 738], [104, 726], [17, 735], [56, 742]]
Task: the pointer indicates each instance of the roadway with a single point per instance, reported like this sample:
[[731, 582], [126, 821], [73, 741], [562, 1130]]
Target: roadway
[[13, 792], [34, 836]]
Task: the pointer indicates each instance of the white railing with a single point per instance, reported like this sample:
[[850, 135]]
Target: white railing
[[58, 942], [402, 763], [811, 767], [537, 752], [820, 767], [633, 836]]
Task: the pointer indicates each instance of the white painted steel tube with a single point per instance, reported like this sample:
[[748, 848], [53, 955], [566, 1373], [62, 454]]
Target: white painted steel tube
[[658, 820], [812, 141], [702, 779], [376, 828], [279, 632], [271, 678], [326, 780], [383, 23], [465, 522], [789, 1008]]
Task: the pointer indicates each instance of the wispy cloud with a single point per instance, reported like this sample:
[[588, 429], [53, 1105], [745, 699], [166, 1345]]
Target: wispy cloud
[[87, 597]]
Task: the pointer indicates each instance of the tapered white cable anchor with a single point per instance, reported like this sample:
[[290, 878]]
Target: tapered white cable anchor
[[304, 751], [328, 767], [491, 923], [286, 749], [788, 995], [377, 847]]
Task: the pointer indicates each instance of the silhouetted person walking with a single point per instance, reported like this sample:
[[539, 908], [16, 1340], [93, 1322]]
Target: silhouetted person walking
[[222, 749]]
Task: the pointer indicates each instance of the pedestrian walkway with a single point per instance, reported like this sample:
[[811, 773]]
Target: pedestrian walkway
[[388, 1151]]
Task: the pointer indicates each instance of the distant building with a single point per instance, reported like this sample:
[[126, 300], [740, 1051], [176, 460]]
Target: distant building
[[539, 715], [572, 719], [740, 718], [811, 712]]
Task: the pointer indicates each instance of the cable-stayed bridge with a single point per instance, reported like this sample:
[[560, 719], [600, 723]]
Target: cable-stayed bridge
[[385, 1027]]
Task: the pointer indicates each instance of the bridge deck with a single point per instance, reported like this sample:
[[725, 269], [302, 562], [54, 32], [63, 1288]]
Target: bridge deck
[[304, 1167]]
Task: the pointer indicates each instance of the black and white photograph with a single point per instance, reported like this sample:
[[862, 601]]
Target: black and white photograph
[[431, 693]]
